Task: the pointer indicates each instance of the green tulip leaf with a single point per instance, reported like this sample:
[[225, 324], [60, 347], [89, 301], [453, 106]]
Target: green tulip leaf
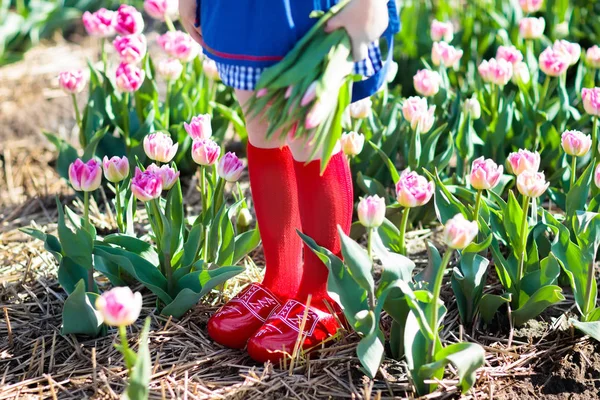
[[79, 315]]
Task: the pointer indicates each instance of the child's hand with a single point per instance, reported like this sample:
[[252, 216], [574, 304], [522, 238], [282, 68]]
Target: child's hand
[[365, 21], [187, 16]]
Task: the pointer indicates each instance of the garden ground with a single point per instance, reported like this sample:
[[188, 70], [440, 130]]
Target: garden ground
[[37, 362]]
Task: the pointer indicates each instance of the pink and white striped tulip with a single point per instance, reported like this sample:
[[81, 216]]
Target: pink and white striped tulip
[[473, 108], [521, 74], [459, 232], [510, 54], [423, 121], [168, 176], [316, 115], [592, 56], [413, 190], [442, 52], [309, 95], [119, 306], [199, 127], [597, 176], [412, 106], [170, 69], [129, 20], [131, 48], [129, 77], [575, 143], [352, 143], [553, 62], [572, 50], [115, 168], [485, 174], [205, 152], [522, 161], [441, 31], [530, 6], [146, 185], [591, 100], [495, 71], [72, 82], [162, 9], [532, 184], [85, 177], [179, 45], [532, 28], [159, 147], [371, 211], [427, 83], [361, 109], [100, 23], [210, 69], [230, 167]]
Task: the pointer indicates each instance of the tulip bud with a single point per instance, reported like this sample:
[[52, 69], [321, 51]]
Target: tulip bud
[[554, 63], [592, 57], [413, 190], [309, 95], [210, 69], [427, 83], [530, 6], [510, 54], [371, 211], [116, 168], [205, 152], [146, 185], [316, 115], [129, 78], [522, 161], [571, 50], [459, 232], [162, 9], [521, 74], [473, 108], [441, 31], [392, 72], [495, 71], [423, 121], [131, 48], [532, 28], [129, 20], [168, 176], [72, 82], [261, 93], [532, 184], [442, 52], [85, 177], [412, 106], [361, 109], [243, 220], [230, 167], [591, 100], [179, 45], [561, 30], [485, 174], [170, 69], [100, 23], [352, 143], [119, 306], [199, 127], [597, 176], [159, 147], [575, 143]]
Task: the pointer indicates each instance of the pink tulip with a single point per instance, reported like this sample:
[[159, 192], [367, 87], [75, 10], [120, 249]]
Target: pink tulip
[[522, 161], [179, 45], [485, 174], [554, 63], [170, 69], [575, 143], [146, 185], [532, 28], [162, 9], [413, 190], [159, 147], [115, 168], [592, 56], [131, 48], [423, 121], [199, 127], [100, 23], [597, 176], [261, 93], [129, 20], [316, 115], [531, 6], [309, 95], [532, 184], [427, 83], [473, 108], [210, 69], [352, 143], [371, 211], [412, 106], [230, 167], [459, 232], [205, 152], [441, 31], [510, 54], [129, 77], [495, 71], [361, 109], [72, 82], [85, 177], [119, 306], [572, 50], [591, 100], [442, 52], [521, 74], [168, 176], [288, 92]]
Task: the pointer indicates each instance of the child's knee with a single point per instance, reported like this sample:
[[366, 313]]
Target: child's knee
[[257, 126], [304, 150]]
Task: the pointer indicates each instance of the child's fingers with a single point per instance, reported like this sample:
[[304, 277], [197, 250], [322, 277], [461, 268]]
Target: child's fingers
[[334, 23], [360, 51]]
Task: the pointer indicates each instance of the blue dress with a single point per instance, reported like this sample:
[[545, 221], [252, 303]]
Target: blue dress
[[244, 37]]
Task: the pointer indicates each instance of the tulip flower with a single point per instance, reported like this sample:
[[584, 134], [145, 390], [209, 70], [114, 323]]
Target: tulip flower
[[530, 6], [72, 82], [441, 31], [100, 23], [170, 69], [119, 306], [230, 167], [316, 115], [473, 108], [129, 78], [371, 211], [179, 45], [167, 175], [210, 69], [442, 52], [146, 185], [412, 106], [495, 71], [392, 72], [159, 147], [162, 9], [205, 152], [521, 74], [412, 190], [592, 56], [423, 121], [591, 100], [575, 143], [572, 50], [532, 28], [310, 95], [261, 93], [361, 109], [427, 83], [352, 143], [485, 175], [532, 184], [115, 168], [510, 54], [85, 177], [131, 48], [597, 176], [129, 20], [459, 232], [199, 127], [243, 220], [523, 161]]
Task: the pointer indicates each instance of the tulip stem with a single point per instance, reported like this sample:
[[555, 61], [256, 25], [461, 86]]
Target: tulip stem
[[158, 219], [125, 347], [523, 237], [87, 229], [369, 246], [167, 105], [588, 290], [219, 194], [573, 169], [82, 139], [437, 288], [126, 122], [595, 138], [544, 93], [203, 188], [104, 58], [118, 207], [477, 206], [403, 224], [169, 23]]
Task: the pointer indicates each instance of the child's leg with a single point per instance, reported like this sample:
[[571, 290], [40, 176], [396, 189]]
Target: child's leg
[[275, 198]]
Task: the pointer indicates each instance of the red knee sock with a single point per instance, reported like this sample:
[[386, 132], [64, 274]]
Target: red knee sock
[[325, 202], [275, 196]]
